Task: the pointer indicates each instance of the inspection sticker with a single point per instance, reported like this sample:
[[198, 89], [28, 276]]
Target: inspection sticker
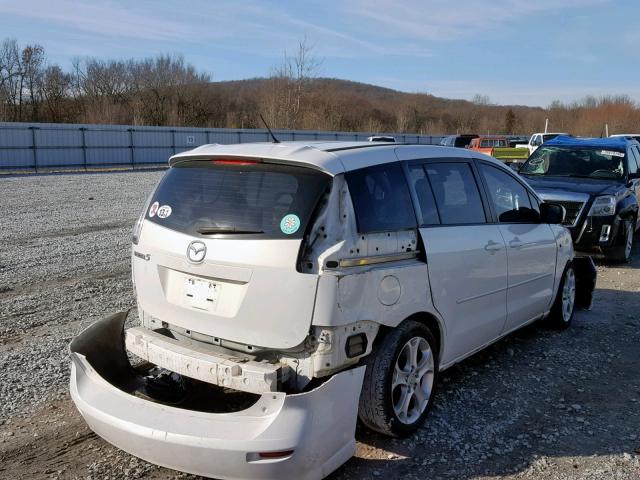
[[289, 224], [611, 153], [164, 211], [153, 209]]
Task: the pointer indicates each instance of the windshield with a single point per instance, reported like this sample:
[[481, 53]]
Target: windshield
[[255, 200], [575, 162]]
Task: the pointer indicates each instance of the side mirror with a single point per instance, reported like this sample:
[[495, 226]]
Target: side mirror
[[633, 175], [552, 213]]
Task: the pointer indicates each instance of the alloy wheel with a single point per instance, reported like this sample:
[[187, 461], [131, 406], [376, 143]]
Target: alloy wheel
[[412, 381]]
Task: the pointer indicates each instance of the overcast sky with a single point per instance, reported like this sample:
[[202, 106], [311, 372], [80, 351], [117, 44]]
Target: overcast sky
[[515, 51]]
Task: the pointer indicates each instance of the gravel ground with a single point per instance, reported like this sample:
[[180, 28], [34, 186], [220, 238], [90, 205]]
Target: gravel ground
[[536, 405]]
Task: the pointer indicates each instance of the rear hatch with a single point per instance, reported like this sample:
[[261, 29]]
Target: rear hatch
[[219, 246]]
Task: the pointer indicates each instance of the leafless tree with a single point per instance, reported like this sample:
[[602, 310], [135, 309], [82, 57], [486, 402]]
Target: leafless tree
[[56, 88], [289, 84]]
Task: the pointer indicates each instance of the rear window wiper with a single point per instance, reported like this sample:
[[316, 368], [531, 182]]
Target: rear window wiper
[[225, 230]]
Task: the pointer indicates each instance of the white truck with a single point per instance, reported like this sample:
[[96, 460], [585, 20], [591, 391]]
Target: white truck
[[538, 139]]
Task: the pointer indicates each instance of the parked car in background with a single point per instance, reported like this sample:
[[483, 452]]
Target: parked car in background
[[538, 139], [382, 138], [596, 180], [498, 147], [460, 141], [515, 140], [286, 289]]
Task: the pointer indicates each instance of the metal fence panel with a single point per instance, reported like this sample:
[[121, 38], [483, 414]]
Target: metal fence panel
[[33, 146], [15, 137], [189, 140], [59, 157], [48, 138], [152, 138], [17, 159], [224, 137], [150, 156], [108, 156], [106, 138]]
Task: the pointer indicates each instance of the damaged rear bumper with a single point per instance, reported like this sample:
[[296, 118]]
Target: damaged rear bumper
[[315, 429]]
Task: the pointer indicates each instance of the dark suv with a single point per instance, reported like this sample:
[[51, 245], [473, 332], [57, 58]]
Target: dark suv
[[596, 180]]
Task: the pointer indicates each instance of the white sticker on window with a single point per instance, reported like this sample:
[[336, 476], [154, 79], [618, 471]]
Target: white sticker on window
[[611, 153], [164, 211], [154, 209]]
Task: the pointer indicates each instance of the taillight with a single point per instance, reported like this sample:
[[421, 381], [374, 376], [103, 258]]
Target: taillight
[[137, 228]]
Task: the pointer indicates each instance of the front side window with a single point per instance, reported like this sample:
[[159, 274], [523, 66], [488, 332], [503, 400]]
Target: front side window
[[381, 198], [456, 193], [252, 199], [509, 198], [634, 159], [570, 161]]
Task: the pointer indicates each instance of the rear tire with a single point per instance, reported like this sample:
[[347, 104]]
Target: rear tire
[[564, 305], [621, 253], [400, 380]]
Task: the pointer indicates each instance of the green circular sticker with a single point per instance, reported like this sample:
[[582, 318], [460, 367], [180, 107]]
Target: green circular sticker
[[289, 224]]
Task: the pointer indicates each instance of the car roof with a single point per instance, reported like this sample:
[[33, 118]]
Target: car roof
[[330, 157], [570, 141]]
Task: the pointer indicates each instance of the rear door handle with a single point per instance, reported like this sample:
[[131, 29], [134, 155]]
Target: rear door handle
[[493, 246], [515, 243]]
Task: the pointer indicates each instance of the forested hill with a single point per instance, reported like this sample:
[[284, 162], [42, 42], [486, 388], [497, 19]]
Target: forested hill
[[167, 90]]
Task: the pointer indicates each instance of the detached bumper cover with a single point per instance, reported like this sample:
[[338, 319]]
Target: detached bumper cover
[[318, 426]]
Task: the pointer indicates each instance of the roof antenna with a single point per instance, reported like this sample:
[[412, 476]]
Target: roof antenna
[[275, 140]]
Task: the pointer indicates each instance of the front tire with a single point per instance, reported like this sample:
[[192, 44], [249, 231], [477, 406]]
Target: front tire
[[400, 379], [622, 252], [563, 307]]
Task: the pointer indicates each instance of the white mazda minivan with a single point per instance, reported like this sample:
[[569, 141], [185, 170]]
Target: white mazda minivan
[[285, 290]]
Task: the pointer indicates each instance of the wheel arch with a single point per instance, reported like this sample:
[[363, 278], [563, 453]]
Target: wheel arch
[[431, 321]]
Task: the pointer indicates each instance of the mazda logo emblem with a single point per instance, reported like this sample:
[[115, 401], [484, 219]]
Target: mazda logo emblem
[[196, 251]]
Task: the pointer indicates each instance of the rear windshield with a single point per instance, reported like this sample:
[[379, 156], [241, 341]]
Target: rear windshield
[[493, 142], [586, 162], [229, 200]]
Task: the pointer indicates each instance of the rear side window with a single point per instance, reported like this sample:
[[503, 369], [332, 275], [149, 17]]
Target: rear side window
[[427, 203], [255, 200], [381, 198], [456, 193]]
